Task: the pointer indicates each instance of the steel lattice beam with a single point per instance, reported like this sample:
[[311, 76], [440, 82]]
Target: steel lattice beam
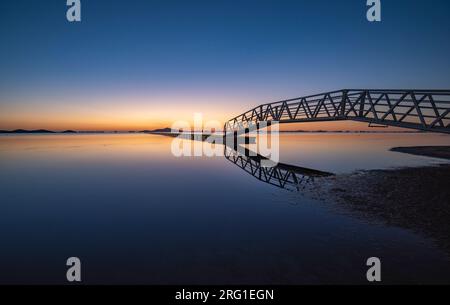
[[427, 110]]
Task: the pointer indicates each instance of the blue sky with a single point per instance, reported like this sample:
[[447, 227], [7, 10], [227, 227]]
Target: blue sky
[[215, 56]]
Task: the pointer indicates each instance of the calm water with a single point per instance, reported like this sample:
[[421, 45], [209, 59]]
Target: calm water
[[133, 213]]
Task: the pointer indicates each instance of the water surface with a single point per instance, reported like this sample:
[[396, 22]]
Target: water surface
[[135, 214]]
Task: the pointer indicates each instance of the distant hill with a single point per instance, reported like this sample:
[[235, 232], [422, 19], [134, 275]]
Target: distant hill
[[27, 131], [159, 130], [20, 131]]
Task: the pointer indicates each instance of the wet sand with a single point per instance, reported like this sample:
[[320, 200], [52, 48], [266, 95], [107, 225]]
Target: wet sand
[[442, 152], [413, 198]]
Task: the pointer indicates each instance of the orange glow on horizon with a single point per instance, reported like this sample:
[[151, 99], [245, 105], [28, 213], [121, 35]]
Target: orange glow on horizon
[[137, 113], [115, 114], [121, 125]]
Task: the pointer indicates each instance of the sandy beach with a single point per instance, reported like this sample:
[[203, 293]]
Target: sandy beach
[[416, 198], [442, 152]]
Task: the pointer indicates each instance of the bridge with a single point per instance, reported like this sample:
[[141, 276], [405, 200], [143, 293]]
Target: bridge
[[426, 110]]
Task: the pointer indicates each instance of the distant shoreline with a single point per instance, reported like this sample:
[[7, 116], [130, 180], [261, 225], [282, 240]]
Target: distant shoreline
[[167, 130]]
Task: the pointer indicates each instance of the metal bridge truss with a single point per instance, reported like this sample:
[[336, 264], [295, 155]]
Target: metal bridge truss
[[426, 110]]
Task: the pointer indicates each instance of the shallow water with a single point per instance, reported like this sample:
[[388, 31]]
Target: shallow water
[[135, 214]]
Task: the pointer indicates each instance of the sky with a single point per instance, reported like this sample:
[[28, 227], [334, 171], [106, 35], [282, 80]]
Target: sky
[[143, 64]]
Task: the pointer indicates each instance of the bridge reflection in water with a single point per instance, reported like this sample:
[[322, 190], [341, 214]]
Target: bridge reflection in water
[[286, 176]]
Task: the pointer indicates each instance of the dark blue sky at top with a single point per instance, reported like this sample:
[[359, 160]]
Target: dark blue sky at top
[[254, 50]]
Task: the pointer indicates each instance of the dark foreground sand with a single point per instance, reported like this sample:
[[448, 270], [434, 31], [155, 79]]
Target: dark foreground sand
[[429, 151], [412, 198]]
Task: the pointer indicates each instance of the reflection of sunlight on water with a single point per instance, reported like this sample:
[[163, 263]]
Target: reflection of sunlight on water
[[334, 152], [101, 146]]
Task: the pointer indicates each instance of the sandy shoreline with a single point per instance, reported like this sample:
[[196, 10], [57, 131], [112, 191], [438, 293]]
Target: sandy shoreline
[[442, 152], [413, 198]]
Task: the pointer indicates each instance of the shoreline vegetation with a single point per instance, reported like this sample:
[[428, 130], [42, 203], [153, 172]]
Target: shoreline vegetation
[[414, 198]]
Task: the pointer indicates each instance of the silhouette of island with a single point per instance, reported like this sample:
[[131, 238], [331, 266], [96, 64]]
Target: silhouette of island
[[167, 129], [27, 131]]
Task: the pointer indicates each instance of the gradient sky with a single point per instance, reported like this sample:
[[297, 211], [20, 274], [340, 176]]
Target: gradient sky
[[140, 64]]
